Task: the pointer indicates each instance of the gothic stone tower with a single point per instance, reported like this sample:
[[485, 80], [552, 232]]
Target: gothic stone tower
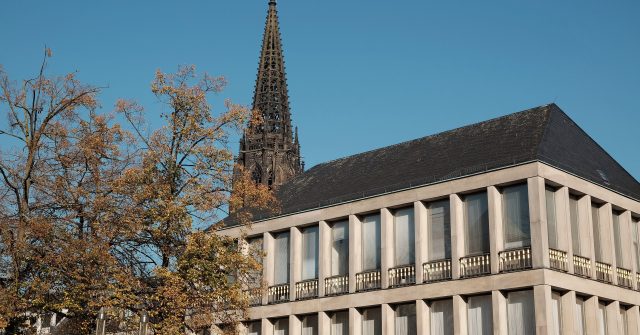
[[271, 151]]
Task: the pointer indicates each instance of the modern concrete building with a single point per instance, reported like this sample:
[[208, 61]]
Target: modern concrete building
[[517, 225]]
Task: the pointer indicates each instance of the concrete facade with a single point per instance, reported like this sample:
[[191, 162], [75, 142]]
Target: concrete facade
[[548, 272]]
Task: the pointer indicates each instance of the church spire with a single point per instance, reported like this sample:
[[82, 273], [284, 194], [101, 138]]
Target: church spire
[[267, 149]]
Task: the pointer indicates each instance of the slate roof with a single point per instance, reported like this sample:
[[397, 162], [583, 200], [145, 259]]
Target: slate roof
[[544, 134]]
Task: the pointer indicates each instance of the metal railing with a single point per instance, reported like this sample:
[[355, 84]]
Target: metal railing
[[436, 270], [603, 272], [278, 293], [255, 296], [368, 280], [402, 275], [515, 259], [307, 289], [638, 281], [624, 277], [336, 285], [473, 266], [581, 266], [559, 260]]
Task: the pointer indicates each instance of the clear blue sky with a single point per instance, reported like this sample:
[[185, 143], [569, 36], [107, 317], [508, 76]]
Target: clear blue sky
[[362, 73]]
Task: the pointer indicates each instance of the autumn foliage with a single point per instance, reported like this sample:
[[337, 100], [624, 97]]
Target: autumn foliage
[[100, 210]]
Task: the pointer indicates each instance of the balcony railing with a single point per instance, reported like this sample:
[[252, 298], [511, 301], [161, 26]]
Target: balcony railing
[[473, 266], [402, 276], [514, 260], [369, 280], [278, 294], [255, 296], [581, 266], [336, 285], [624, 277], [603, 272], [638, 281], [558, 260], [307, 289], [436, 271]]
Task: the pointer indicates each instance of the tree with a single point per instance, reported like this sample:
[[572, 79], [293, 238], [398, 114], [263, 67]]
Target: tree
[[55, 173], [185, 175], [93, 215]]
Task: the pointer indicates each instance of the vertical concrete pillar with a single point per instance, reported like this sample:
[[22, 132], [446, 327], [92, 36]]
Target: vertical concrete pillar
[[607, 240], [387, 245], [499, 309], [355, 322], [422, 238], [295, 325], [543, 309], [241, 328], [568, 312], [355, 250], [627, 239], [538, 223], [633, 320], [457, 234], [612, 318], [267, 264], [563, 218], [324, 323], [324, 257], [267, 327], [496, 234], [422, 317], [387, 319], [459, 315], [295, 257], [586, 232], [591, 315]]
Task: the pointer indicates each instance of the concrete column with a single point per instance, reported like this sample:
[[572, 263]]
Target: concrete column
[[267, 327], [499, 309], [422, 317], [544, 309], [564, 225], [295, 257], [387, 319], [457, 234], [355, 250], [538, 223], [633, 320], [591, 315], [626, 234], [496, 233], [324, 323], [242, 329], [267, 264], [295, 325], [324, 257], [387, 244], [627, 238], [586, 232], [355, 322], [568, 312], [459, 316], [422, 238], [606, 239], [612, 318]]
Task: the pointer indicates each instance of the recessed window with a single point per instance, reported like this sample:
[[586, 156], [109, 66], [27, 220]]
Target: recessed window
[[371, 242], [372, 321], [404, 231], [441, 317], [479, 315], [515, 201], [476, 214]]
